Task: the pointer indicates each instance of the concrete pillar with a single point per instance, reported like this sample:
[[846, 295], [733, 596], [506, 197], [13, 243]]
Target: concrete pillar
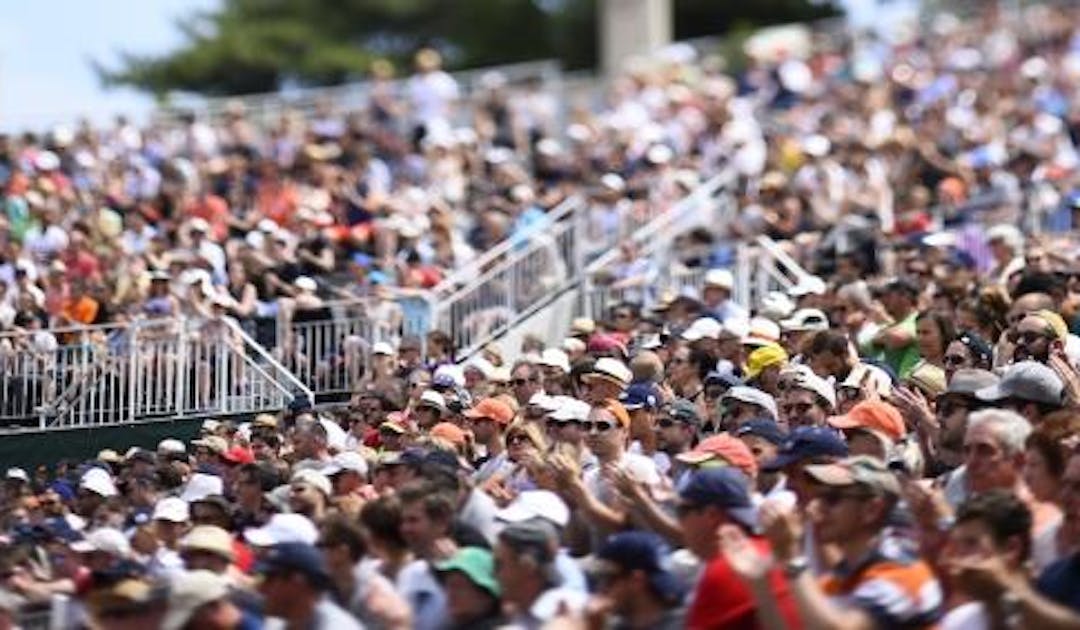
[[632, 27]]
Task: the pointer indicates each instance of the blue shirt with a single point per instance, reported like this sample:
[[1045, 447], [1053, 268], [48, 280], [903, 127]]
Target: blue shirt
[[1061, 582]]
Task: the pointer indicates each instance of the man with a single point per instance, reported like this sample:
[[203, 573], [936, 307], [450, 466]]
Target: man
[[942, 435], [309, 494], [715, 497], [426, 519], [348, 475], [1029, 388], [741, 404], [1038, 335], [896, 343], [635, 583], [764, 437], [872, 428], [877, 583], [200, 599], [676, 430], [488, 420], [796, 330], [526, 380], [207, 548], [249, 490], [294, 585], [310, 444], [171, 517], [525, 569], [430, 410], [607, 380], [547, 505], [807, 401], [1058, 581], [642, 400], [716, 296], [763, 367], [473, 595]]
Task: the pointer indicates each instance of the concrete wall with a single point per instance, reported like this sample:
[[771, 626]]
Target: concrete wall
[[632, 27]]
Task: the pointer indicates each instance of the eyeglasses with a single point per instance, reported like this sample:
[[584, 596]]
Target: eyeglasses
[[598, 427], [954, 360], [1028, 336], [563, 423], [665, 423], [519, 382]]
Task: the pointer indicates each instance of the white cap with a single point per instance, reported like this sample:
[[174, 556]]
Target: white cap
[[304, 283], [737, 327], [209, 426], [806, 319], [777, 305], [753, 396], [171, 445], [808, 380], [703, 328], [188, 592], [283, 528], [106, 540], [202, 485], [315, 479], [268, 226], [659, 154], [553, 357], [612, 369], [199, 224], [1010, 234], [98, 481], [47, 161], [536, 504], [383, 348], [720, 278], [872, 376], [17, 473], [810, 285], [433, 398], [762, 331], [542, 400], [613, 182], [172, 509], [572, 344], [452, 372], [571, 409], [347, 461]]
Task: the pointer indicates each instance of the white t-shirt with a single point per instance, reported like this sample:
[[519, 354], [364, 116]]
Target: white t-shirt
[[431, 95], [424, 595]]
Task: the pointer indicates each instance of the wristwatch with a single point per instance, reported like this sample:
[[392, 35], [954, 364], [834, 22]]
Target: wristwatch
[[795, 567]]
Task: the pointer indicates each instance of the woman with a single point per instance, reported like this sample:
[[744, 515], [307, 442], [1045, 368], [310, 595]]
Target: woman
[[933, 331], [967, 350], [525, 445], [683, 374], [1048, 449]]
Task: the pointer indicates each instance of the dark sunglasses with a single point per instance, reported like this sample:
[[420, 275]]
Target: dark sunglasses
[[517, 439], [954, 360], [518, 382], [1029, 336], [598, 427]]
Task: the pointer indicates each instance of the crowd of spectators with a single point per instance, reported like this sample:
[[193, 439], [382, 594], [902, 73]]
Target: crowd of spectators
[[893, 442]]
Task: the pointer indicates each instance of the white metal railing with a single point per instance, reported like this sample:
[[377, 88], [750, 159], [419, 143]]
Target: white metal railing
[[142, 371], [763, 266], [268, 107]]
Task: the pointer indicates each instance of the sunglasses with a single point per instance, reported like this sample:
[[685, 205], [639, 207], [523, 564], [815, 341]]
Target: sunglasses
[[1029, 336], [954, 360], [564, 423], [598, 427], [519, 382], [517, 439]]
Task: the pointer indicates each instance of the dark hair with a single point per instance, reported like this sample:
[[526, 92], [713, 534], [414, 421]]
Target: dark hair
[[1039, 282], [340, 530], [382, 519], [978, 347], [1003, 514], [946, 329], [831, 341], [1049, 438], [266, 475], [438, 504]]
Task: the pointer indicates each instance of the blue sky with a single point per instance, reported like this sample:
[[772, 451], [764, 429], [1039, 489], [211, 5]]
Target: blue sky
[[45, 48]]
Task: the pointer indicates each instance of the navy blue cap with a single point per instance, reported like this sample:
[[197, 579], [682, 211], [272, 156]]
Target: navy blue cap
[[413, 456], [765, 428], [728, 378], [805, 443], [640, 396], [646, 552], [726, 488], [295, 557]]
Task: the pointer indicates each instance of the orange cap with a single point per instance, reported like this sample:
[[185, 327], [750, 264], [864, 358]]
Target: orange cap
[[874, 415], [491, 409], [450, 432], [617, 409], [732, 450]]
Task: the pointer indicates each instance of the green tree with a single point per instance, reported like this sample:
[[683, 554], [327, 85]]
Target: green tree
[[258, 45]]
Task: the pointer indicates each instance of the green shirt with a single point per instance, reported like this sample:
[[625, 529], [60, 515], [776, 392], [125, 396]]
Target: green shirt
[[902, 360]]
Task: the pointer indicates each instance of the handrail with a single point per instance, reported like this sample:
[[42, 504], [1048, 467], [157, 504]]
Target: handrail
[[564, 209], [778, 253], [265, 356]]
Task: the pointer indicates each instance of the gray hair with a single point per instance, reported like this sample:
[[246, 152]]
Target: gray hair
[[1011, 429]]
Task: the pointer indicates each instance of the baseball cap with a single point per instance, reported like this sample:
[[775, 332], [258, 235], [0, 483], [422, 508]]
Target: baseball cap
[[171, 509], [977, 346], [346, 461], [531, 504], [448, 431], [477, 564], [722, 278], [807, 380], [764, 428], [572, 409], [492, 409], [106, 540], [98, 481], [859, 470], [874, 415], [215, 443], [752, 396], [536, 534], [382, 348], [731, 450], [202, 485], [17, 474], [967, 381], [646, 552], [553, 357], [612, 370], [805, 319], [763, 357], [603, 343], [725, 488], [1054, 322], [682, 410], [315, 479], [283, 528], [703, 328], [640, 396], [1028, 381], [171, 446], [295, 557], [806, 443], [210, 538], [238, 455], [188, 592], [762, 332], [431, 398], [876, 378]]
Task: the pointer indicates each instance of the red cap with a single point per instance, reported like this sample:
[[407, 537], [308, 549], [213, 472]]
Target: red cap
[[730, 449], [874, 415], [238, 455]]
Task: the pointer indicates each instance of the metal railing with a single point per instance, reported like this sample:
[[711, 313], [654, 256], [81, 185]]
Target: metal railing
[[762, 267], [138, 372], [268, 107]]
